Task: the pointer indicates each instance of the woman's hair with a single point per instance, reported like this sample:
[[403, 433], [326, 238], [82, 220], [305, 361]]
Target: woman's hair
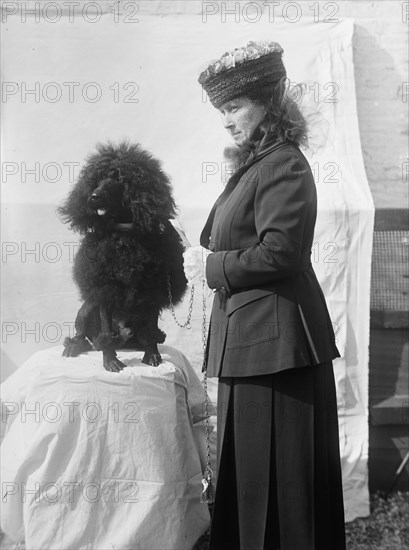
[[284, 119]]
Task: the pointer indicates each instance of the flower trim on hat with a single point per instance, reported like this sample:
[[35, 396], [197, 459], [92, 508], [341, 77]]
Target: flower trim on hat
[[253, 50]]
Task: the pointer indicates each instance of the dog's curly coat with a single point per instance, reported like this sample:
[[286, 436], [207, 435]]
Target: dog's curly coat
[[122, 204]]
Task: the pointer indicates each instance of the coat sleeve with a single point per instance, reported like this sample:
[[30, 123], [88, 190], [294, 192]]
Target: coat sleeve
[[283, 202]]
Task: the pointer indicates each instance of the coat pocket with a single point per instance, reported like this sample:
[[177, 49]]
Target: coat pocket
[[252, 318]]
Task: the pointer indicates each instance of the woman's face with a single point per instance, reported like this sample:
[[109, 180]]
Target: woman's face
[[240, 117]]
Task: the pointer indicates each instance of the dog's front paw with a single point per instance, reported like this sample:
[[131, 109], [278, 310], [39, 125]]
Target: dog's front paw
[[152, 359], [112, 363], [75, 346]]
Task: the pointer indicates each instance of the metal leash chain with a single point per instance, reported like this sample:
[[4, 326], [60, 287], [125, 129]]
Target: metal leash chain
[[172, 307], [207, 495]]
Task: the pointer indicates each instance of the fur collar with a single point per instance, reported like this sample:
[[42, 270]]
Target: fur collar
[[238, 156]]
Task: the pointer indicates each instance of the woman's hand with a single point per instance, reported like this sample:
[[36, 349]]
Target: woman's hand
[[194, 263]]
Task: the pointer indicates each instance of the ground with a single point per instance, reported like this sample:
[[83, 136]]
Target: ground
[[387, 528]]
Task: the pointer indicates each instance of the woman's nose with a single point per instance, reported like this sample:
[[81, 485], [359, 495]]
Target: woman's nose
[[227, 121]]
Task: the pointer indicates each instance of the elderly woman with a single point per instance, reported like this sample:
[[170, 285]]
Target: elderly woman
[[270, 342]]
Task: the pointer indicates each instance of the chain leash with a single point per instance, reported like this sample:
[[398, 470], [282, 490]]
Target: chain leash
[[186, 324], [207, 495]]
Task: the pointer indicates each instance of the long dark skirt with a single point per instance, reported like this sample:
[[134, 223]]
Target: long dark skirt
[[279, 480]]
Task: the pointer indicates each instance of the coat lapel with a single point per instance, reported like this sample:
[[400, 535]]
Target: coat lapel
[[230, 186]]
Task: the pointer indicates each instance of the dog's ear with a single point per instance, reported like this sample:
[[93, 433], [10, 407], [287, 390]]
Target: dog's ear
[[149, 194], [149, 210], [142, 212]]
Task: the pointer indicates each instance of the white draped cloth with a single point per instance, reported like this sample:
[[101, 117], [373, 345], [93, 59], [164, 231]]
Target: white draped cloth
[[93, 459]]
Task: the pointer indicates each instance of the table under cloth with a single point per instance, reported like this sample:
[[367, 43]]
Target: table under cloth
[[94, 459]]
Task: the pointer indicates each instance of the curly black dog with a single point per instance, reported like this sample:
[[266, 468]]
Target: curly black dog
[[130, 254]]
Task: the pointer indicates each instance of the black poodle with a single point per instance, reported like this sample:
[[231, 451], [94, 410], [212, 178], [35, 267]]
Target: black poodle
[[130, 259]]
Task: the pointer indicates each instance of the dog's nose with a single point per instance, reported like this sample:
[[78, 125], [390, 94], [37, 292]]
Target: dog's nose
[[95, 201]]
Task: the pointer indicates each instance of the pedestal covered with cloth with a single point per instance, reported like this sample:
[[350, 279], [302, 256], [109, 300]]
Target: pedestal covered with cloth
[[95, 459]]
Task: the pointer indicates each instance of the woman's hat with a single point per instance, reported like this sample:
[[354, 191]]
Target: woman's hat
[[251, 69]]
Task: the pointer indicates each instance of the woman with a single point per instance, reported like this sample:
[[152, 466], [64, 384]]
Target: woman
[[270, 341]]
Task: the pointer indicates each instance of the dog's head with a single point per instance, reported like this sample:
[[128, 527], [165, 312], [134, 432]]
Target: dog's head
[[107, 201], [119, 184]]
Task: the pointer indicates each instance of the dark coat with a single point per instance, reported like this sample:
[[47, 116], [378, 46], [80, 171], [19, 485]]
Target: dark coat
[[269, 313]]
